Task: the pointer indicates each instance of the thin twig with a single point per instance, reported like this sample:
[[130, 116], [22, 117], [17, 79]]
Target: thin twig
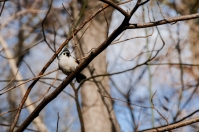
[[57, 122], [29, 67], [134, 38], [3, 7], [116, 7], [126, 102], [43, 22], [157, 109], [47, 78], [106, 22], [1, 124], [68, 12], [10, 81]]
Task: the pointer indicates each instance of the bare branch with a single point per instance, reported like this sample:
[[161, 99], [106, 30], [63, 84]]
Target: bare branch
[[161, 22], [172, 126], [43, 26]]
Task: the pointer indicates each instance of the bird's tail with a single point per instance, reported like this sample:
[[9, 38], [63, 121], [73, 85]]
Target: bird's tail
[[80, 77]]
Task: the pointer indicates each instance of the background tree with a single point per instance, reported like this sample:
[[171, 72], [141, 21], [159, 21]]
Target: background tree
[[98, 112]]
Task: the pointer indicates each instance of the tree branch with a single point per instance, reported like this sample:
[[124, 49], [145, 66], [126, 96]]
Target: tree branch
[[116, 7], [161, 22], [172, 126]]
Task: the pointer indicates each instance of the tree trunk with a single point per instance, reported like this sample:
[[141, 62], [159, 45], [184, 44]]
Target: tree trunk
[[194, 41], [97, 111]]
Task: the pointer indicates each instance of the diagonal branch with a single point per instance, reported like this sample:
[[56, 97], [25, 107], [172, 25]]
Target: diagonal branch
[[143, 2]]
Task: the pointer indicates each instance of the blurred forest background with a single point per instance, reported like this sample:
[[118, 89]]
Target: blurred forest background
[[147, 77]]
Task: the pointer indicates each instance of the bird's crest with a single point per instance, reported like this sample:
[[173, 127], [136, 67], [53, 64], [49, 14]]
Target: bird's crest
[[64, 50]]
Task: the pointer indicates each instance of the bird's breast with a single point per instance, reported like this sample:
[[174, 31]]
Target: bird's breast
[[67, 64]]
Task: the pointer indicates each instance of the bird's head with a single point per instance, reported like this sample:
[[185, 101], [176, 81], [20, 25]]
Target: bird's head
[[64, 52]]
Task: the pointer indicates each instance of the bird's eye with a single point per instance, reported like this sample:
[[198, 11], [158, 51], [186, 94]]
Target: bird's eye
[[64, 53]]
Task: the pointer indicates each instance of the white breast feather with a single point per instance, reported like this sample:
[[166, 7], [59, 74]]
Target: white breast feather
[[67, 64]]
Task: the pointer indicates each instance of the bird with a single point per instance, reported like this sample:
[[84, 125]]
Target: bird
[[67, 64]]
